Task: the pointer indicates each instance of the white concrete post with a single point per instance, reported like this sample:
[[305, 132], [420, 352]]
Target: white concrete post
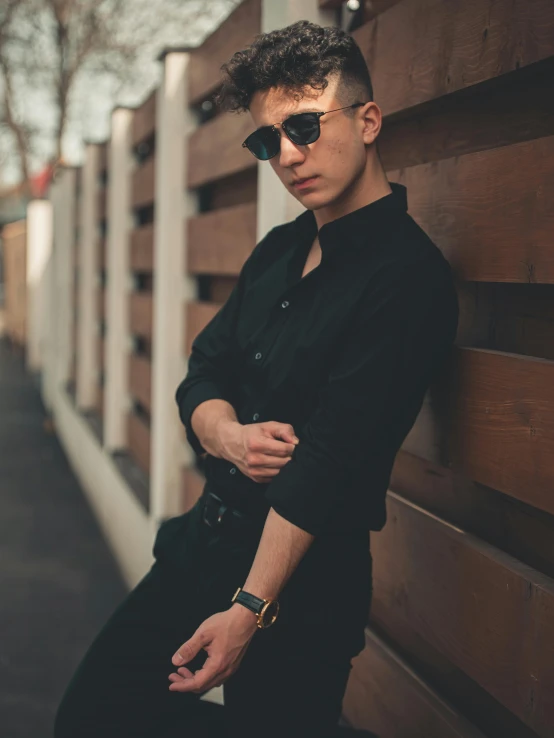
[[275, 204], [173, 205], [63, 204], [88, 250], [39, 249], [117, 300]]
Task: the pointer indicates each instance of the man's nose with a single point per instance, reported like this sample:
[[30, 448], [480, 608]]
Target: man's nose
[[290, 153]]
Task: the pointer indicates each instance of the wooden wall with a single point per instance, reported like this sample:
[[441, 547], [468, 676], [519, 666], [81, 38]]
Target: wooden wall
[[143, 141], [14, 238], [102, 227], [224, 176], [72, 384], [462, 621]]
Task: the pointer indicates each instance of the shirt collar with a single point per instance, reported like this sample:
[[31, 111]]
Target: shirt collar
[[356, 226]]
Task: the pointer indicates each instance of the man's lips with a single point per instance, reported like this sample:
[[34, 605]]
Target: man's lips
[[298, 182]]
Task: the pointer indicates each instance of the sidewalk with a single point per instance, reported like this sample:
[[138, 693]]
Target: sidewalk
[[58, 580]]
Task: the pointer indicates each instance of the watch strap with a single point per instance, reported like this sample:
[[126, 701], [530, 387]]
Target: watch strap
[[250, 601]]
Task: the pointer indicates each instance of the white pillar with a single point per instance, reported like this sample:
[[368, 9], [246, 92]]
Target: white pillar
[[275, 204], [117, 300], [88, 249], [174, 123], [63, 204], [39, 249]]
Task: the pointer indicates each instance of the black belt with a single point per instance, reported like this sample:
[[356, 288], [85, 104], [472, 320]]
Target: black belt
[[219, 514]]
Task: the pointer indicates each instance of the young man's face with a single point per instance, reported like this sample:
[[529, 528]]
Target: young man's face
[[339, 157]]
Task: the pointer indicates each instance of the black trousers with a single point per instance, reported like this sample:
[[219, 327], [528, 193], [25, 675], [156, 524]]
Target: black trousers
[[293, 676]]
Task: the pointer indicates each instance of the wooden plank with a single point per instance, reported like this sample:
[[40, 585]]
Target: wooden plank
[[143, 182], [141, 257], [102, 204], [237, 189], [220, 288], [103, 157], [236, 32], [502, 423], [197, 315], [219, 242], [420, 50], [102, 246], [140, 314], [144, 120], [385, 696], [488, 614], [138, 440], [512, 526], [14, 236], [192, 488], [440, 128], [140, 380], [215, 149], [485, 222], [100, 304]]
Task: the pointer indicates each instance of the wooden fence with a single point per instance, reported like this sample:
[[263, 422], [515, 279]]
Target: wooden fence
[[460, 637], [14, 245]]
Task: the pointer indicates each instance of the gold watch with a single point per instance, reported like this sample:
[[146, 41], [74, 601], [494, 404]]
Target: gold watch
[[266, 610]]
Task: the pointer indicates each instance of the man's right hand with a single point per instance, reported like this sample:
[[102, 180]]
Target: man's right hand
[[258, 450]]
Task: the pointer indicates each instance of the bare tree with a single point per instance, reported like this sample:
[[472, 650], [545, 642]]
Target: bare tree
[[55, 51]]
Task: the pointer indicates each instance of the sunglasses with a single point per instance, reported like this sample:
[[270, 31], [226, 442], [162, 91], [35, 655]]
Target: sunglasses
[[301, 129]]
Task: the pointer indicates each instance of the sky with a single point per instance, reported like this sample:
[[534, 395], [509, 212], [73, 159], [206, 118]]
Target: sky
[[185, 23]]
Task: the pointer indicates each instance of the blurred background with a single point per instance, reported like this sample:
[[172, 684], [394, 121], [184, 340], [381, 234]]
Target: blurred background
[[127, 209]]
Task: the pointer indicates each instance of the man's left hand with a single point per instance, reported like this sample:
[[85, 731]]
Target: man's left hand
[[225, 636]]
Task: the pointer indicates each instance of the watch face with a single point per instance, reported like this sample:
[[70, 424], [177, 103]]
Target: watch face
[[270, 614]]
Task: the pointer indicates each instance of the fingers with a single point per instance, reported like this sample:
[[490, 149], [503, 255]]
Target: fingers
[[205, 678]]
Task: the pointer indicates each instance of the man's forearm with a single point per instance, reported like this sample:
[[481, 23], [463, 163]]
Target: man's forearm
[[281, 548], [207, 421]]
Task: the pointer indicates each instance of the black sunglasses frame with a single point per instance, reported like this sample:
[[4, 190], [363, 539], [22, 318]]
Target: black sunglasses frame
[[317, 115]]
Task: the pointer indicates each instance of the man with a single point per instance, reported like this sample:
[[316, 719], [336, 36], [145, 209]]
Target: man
[[298, 394]]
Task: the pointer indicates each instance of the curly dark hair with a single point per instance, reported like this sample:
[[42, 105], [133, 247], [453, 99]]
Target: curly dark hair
[[296, 57]]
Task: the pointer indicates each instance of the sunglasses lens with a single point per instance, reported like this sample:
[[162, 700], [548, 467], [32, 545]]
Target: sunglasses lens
[[263, 143], [302, 128]]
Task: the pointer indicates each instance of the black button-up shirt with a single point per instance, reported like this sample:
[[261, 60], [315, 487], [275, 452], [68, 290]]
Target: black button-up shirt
[[344, 354]]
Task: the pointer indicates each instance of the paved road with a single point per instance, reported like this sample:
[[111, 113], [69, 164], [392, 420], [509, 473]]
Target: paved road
[[58, 580]]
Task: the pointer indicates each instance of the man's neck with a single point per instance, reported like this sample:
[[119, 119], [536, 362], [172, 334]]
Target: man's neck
[[363, 192]]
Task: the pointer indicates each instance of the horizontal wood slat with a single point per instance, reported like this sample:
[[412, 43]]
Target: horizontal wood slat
[[219, 242], [141, 257], [192, 488], [197, 316], [237, 189], [215, 149], [140, 380], [103, 157], [420, 50], [385, 696], [236, 31], [142, 188], [140, 319], [467, 121], [516, 528], [502, 423], [144, 120], [490, 615], [489, 227], [138, 440], [102, 204]]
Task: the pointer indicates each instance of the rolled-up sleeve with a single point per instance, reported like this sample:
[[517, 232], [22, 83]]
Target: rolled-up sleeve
[[210, 364], [402, 331]]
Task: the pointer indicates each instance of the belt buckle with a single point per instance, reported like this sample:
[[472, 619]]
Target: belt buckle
[[220, 510]]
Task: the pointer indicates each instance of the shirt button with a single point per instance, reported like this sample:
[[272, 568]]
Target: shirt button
[[258, 355], [232, 470], [285, 304], [255, 416]]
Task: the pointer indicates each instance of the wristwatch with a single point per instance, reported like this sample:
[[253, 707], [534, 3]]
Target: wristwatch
[[266, 610]]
